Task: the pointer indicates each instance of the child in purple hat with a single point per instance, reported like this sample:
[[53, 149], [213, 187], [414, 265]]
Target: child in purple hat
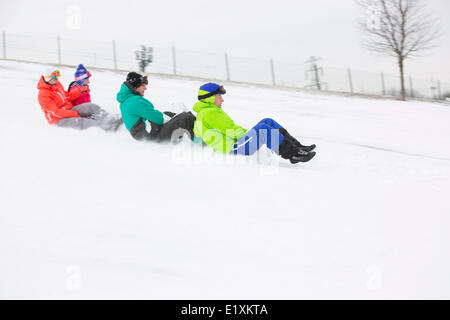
[[81, 80]]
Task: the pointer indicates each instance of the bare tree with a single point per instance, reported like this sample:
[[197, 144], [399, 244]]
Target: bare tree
[[398, 28]]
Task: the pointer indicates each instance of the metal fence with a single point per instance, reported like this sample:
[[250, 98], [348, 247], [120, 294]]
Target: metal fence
[[114, 55]]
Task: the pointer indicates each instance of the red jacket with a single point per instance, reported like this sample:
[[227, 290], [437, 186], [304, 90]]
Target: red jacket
[[55, 102], [83, 98]]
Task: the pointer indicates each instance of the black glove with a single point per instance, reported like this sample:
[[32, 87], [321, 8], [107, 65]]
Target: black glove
[[170, 114]]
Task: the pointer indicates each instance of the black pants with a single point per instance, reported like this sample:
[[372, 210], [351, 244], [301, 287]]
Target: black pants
[[171, 130]]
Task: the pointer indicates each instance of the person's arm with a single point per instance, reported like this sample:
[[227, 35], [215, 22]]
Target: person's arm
[[145, 109], [219, 120], [48, 105], [76, 92], [238, 132]]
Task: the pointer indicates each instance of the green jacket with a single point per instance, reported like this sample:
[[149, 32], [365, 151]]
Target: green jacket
[[215, 127], [134, 107]]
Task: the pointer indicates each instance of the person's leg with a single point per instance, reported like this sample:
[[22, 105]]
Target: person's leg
[[90, 110], [266, 132], [248, 144], [106, 121], [77, 123], [296, 142], [271, 123], [177, 126], [106, 124], [285, 133]]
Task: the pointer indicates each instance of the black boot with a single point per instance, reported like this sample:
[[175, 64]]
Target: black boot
[[287, 149], [296, 142], [307, 148], [302, 156]]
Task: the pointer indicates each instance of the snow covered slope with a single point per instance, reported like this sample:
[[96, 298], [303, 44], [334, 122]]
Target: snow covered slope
[[97, 215]]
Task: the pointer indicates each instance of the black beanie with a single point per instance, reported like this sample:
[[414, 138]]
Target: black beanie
[[135, 79]]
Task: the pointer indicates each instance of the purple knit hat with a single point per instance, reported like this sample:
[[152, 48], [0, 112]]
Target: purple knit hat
[[81, 74]]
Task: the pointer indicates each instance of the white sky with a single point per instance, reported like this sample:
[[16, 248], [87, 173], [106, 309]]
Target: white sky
[[287, 30]]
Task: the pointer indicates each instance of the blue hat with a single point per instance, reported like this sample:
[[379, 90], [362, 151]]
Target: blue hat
[[210, 89], [81, 74]]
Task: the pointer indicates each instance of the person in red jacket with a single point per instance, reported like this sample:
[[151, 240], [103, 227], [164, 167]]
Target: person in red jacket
[[58, 107]]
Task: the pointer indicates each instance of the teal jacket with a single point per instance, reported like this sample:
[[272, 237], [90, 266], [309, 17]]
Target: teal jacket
[[134, 107], [215, 127]]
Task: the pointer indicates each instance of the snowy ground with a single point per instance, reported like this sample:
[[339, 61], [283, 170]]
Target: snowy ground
[[97, 215]]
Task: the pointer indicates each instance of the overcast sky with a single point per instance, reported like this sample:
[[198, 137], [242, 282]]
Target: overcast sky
[[287, 30]]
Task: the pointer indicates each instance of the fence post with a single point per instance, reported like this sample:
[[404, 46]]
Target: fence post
[[4, 45], [272, 69], [114, 54], [350, 80], [411, 90], [59, 49], [227, 66], [174, 61], [439, 90], [383, 87]]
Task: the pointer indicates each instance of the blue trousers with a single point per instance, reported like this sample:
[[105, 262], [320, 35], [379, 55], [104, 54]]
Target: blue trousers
[[264, 133]]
